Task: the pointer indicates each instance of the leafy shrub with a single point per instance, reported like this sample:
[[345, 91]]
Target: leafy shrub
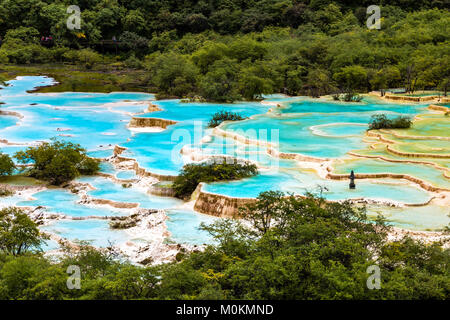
[[4, 192], [222, 116], [58, 162], [18, 233], [88, 57], [381, 121], [192, 174]]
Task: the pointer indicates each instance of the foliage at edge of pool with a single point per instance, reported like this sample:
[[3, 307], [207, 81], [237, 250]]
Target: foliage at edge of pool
[[192, 174], [57, 162]]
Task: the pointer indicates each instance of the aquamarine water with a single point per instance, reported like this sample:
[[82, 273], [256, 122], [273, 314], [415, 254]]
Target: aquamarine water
[[302, 183], [126, 174], [308, 106], [160, 152], [424, 172], [64, 202], [95, 232], [318, 128], [414, 218], [184, 226], [105, 189]]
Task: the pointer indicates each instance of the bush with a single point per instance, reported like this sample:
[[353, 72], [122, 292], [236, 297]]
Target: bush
[[4, 192], [58, 162], [192, 174], [381, 121], [88, 57], [7, 166], [222, 116]]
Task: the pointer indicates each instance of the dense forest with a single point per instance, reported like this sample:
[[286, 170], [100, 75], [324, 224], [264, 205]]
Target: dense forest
[[288, 248], [230, 50]]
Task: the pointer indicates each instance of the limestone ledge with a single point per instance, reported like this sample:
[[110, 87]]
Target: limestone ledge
[[420, 182], [153, 108], [228, 207], [237, 137], [147, 224], [395, 134], [397, 234], [114, 178], [401, 161], [161, 191], [11, 113], [379, 136], [270, 147], [294, 156], [218, 205], [138, 122], [417, 155], [413, 99], [439, 108], [118, 150], [85, 199]]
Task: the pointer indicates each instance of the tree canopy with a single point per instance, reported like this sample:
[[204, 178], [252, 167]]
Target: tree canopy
[[226, 51], [284, 247], [57, 162]]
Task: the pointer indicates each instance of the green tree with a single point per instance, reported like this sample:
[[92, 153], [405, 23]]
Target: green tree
[[192, 174], [173, 74], [318, 83], [352, 78], [18, 234], [7, 166], [58, 162]]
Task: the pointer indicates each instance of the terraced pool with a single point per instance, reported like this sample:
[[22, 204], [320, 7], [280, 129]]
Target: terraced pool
[[332, 133]]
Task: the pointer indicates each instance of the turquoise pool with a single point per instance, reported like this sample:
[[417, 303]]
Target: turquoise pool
[[317, 128]]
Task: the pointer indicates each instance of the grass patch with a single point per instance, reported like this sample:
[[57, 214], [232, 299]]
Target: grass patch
[[21, 180]]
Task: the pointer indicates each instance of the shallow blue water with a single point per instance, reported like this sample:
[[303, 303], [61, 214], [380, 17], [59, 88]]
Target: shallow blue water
[[96, 232], [341, 107], [7, 121], [114, 191], [127, 174], [184, 226], [65, 202], [160, 152], [302, 183], [303, 126]]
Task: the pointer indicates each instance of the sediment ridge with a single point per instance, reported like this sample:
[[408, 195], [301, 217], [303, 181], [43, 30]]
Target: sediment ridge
[[219, 205], [417, 155], [421, 183], [415, 99], [399, 161], [138, 122], [118, 150], [115, 204], [438, 108]]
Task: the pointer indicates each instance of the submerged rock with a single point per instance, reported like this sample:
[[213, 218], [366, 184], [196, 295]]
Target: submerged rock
[[132, 220]]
